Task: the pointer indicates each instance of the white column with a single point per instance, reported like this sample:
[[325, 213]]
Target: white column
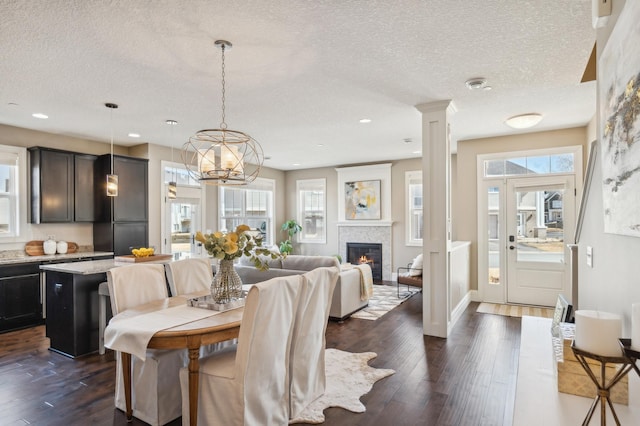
[[436, 162]]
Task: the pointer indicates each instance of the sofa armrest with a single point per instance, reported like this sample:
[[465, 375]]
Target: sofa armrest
[[346, 296]]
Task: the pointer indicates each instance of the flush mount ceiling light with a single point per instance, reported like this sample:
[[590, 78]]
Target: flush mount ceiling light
[[365, 120], [222, 156], [40, 115], [477, 83], [523, 121]]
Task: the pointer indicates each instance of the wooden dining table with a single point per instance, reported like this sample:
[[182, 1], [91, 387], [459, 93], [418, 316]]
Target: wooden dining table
[[191, 336]]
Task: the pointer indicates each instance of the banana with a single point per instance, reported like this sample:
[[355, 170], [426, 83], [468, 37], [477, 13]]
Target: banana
[[143, 251]]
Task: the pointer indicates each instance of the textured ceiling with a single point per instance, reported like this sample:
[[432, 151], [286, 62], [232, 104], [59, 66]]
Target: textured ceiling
[[300, 75]]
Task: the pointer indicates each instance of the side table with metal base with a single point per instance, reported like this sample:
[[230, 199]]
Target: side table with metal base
[[632, 354], [603, 386]]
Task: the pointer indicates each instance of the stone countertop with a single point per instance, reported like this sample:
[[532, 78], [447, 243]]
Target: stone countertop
[[91, 266], [22, 257]]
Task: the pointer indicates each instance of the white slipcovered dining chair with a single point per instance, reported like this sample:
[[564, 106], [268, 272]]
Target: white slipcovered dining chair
[[189, 275], [248, 384], [155, 384], [307, 366]]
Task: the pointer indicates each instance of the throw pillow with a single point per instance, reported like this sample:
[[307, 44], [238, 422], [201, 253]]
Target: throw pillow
[[416, 267]]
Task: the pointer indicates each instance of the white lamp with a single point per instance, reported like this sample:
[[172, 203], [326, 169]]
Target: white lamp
[[523, 121]]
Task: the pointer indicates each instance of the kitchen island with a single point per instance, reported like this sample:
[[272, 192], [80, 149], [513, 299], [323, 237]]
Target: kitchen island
[[22, 285], [72, 304]]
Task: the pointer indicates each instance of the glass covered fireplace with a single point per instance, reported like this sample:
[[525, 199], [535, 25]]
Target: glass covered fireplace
[[370, 253]]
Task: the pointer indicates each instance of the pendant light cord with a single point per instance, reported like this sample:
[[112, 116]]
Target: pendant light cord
[[223, 125], [111, 139]]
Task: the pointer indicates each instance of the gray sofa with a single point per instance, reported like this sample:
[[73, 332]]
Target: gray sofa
[[346, 296]]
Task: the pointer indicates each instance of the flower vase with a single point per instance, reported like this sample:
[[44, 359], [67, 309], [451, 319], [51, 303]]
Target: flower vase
[[226, 285]]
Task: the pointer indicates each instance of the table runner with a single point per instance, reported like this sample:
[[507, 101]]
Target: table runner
[[132, 334]]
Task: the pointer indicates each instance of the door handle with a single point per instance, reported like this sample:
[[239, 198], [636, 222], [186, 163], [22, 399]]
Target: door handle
[[512, 247]]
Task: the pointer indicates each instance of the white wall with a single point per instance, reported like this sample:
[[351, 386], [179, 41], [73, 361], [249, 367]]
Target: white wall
[[613, 283]]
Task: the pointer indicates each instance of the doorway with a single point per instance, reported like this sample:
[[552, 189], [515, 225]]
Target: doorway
[[184, 221], [526, 219]]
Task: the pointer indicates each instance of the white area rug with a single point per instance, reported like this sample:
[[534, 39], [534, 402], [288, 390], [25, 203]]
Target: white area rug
[[349, 376], [385, 298], [514, 310]]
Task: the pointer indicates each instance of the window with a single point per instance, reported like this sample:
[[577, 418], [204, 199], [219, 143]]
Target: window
[[12, 160], [175, 172], [312, 210], [251, 205], [413, 183], [542, 164]]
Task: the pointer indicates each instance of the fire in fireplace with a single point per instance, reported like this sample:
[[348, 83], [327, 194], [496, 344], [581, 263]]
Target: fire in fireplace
[[371, 253]]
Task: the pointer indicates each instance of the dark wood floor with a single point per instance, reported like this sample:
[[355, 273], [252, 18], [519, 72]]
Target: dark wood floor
[[467, 379]]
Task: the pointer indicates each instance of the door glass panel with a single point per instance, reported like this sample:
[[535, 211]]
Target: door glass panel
[[184, 217], [539, 219], [493, 238]]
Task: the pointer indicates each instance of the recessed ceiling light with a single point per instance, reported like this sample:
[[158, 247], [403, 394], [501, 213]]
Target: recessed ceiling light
[[523, 121], [40, 115], [296, 164], [477, 83], [365, 120], [171, 122], [134, 135], [320, 144]]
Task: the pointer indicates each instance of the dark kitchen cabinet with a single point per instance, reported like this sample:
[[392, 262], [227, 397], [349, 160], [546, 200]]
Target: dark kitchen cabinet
[[20, 299], [72, 312], [121, 221], [62, 185], [51, 185], [83, 206]]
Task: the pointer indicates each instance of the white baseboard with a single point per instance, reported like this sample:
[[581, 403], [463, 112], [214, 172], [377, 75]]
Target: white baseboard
[[456, 313]]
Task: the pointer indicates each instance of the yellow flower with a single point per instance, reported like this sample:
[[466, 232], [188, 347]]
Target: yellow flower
[[242, 228], [232, 245]]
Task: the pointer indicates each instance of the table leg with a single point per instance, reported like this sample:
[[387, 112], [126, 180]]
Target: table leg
[[126, 375], [194, 371]]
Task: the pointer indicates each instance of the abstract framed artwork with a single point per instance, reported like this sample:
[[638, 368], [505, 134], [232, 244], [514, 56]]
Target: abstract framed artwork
[[619, 75], [362, 200]]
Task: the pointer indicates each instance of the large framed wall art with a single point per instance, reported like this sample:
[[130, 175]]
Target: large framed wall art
[[362, 200], [619, 75]]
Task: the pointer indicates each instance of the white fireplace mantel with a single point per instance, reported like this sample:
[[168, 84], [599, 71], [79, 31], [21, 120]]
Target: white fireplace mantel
[[366, 223]]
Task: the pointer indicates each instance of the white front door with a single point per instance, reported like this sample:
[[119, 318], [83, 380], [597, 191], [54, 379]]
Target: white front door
[[540, 214]]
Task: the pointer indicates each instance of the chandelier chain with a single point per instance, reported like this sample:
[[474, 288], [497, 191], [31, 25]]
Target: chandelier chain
[[223, 125]]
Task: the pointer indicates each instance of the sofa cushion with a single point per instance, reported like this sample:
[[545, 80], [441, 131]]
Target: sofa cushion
[[308, 263], [272, 263]]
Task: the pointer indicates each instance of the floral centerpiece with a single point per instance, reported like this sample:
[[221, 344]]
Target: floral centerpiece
[[227, 246]]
